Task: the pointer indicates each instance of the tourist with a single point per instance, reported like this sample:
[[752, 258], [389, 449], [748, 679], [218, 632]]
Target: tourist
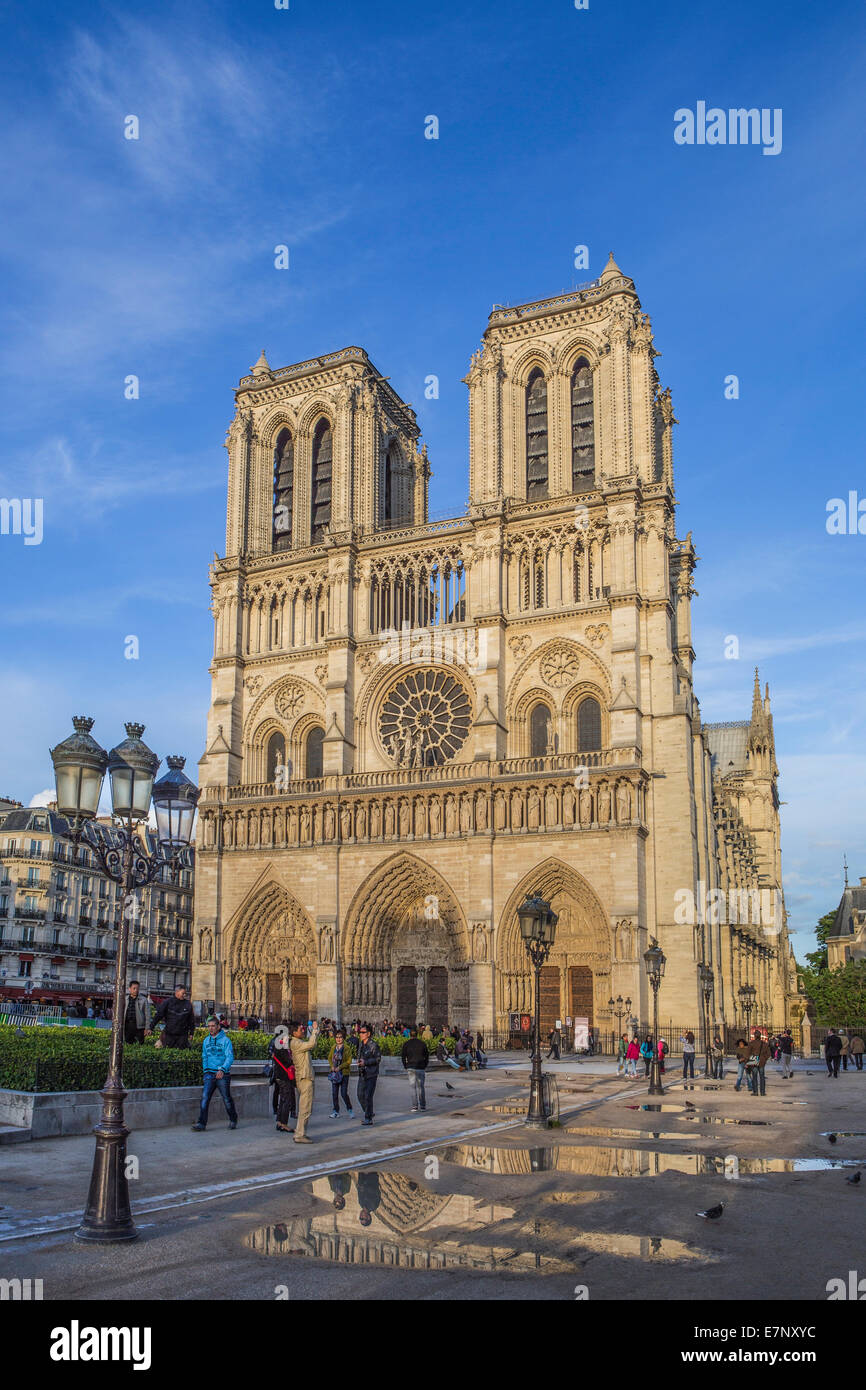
[[688, 1042], [285, 1090], [718, 1058], [302, 1046], [369, 1058], [415, 1057], [217, 1056], [443, 1056], [646, 1052], [339, 1066], [136, 1020], [832, 1052], [742, 1058], [621, 1054], [758, 1056], [663, 1052], [179, 1017], [242, 1023], [856, 1048], [786, 1049], [369, 1196], [845, 1045], [463, 1052], [554, 1037], [632, 1053], [427, 1033]]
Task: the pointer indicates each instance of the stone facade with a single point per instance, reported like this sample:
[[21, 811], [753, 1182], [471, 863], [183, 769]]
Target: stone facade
[[413, 724]]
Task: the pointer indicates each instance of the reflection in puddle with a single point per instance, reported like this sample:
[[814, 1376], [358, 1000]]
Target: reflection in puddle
[[617, 1162], [689, 1112], [388, 1219], [844, 1133]]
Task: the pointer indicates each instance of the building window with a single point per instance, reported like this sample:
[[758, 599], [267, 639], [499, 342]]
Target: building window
[[582, 429], [589, 726], [539, 731], [322, 460], [284, 485], [536, 437], [276, 756], [25, 968], [315, 751]]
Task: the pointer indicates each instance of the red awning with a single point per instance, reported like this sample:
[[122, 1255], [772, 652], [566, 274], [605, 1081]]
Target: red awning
[[24, 956], [58, 960]]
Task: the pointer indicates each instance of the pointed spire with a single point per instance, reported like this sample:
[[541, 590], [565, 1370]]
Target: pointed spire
[[262, 367], [767, 697], [757, 707], [611, 270]]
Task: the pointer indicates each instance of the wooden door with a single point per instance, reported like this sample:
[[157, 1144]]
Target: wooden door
[[549, 998], [437, 997], [580, 992], [407, 997], [273, 998], [300, 998]]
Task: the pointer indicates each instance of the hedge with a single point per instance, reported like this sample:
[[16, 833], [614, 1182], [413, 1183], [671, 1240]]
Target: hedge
[[48, 1059]]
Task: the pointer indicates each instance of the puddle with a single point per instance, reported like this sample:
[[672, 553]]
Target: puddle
[[615, 1161], [388, 1219], [671, 1109], [843, 1133]]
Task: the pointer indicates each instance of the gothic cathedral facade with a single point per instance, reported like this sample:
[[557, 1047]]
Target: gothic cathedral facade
[[415, 724]]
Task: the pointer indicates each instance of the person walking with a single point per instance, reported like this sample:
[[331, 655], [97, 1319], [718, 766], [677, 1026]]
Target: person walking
[[759, 1055], [302, 1046], [179, 1017], [845, 1046], [285, 1090], [718, 1058], [217, 1055], [415, 1057], [742, 1058], [688, 1042], [786, 1052], [136, 1019], [369, 1057], [632, 1054], [621, 1054], [339, 1066], [832, 1052], [646, 1052], [554, 1037], [856, 1048]]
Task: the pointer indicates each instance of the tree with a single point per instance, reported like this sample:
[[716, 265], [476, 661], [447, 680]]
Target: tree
[[817, 960], [839, 995]]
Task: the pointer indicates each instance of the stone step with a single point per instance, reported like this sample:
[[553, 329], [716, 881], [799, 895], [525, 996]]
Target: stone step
[[14, 1134]]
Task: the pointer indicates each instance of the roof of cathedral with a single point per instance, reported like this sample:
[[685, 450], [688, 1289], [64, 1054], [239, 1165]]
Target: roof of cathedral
[[853, 901], [728, 746]]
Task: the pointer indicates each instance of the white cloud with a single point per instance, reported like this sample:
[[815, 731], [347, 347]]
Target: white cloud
[[44, 798]]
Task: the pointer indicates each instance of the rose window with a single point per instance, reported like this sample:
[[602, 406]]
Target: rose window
[[425, 719]]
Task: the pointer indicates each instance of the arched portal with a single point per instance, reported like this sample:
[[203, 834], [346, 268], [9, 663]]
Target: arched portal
[[575, 982], [271, 956], [406, 948]]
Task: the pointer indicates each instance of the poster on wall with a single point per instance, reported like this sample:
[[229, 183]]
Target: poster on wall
[[581, 1034]]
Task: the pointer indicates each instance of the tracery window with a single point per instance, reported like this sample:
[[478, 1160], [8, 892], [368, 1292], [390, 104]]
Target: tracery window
[[582, 429], [425, 719], [315, 753], [284, 482], [275, 756], [322, 466], [589, 726], [536, 437], [539, 731]]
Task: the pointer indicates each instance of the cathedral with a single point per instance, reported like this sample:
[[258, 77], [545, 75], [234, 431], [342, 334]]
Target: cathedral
[[415, 724]]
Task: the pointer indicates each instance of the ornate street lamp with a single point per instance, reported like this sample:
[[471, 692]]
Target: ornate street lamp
[[747, 1001], [538, 929], [80, 766], [707, 981], [619, 1009], [654, 959]]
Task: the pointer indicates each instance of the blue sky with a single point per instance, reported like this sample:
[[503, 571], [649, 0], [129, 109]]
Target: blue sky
[[259, 127]]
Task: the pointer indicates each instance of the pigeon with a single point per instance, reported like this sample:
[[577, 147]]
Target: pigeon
[[832, 1138], [854, 1178], [448, 1086], [712, 1213], [689, 1105]]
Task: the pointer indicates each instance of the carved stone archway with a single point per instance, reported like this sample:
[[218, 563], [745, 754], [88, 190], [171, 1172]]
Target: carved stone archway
[[581, 956], [405, 921], [271, 955]]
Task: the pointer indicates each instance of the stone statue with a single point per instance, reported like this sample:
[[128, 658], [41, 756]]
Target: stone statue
[[326, 945], [568, 806], [533, 818], [305, 824], [479, 944], [420, 818], [435, 816], [465, 815], [516, 811], [450, 816], [345, 822], [500, 811], [550, 810], [205, 943], [481, 811], [266, 829], [330, 823], [361, 822], [604, 804], [623, 802], [585, 807], [404, 817], [389, 819], [375, 820]]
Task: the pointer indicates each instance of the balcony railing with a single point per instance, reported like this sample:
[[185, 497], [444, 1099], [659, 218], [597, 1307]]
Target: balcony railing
[[605, 759], [30, 914]]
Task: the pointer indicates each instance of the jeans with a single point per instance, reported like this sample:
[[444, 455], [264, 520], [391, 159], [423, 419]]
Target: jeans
[[741, 1071], [858, 1060], [449, 1061], [419, 1099], [366, 1089], [689, 1064], [760, 1081], [718, 1068], [223, 1085], [340, 1088], [786, 1068]]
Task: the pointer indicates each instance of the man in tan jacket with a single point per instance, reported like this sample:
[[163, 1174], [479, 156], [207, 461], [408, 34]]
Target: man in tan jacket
[[302, 1047]]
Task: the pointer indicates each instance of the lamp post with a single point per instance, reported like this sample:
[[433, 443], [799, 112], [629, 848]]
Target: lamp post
[[746, 995], [654, 959], [538, 929], [620, 1010], [79, 767], [707, 980]]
